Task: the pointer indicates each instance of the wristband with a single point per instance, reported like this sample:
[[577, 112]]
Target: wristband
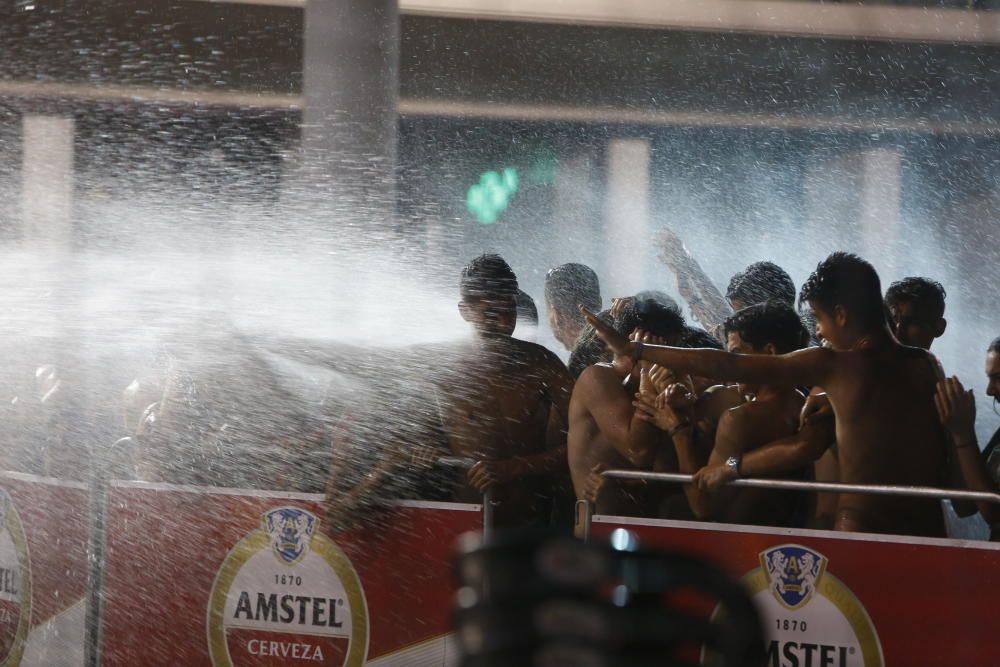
[[637, 351], [677, 429]]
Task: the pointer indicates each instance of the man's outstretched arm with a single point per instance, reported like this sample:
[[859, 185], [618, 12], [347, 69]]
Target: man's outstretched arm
[[805, 367]]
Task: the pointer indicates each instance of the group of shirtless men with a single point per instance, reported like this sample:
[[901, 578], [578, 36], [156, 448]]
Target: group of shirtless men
[[858, 399]]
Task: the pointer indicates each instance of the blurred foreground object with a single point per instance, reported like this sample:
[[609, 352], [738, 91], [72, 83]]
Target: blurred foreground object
[[535, 599]]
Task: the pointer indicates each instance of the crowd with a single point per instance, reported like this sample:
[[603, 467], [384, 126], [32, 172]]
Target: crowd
[[841, 389], [832, 382]]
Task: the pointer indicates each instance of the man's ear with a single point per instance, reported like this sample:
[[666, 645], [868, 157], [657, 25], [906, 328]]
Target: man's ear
[[942, 324], [840, 316], [770, 349]]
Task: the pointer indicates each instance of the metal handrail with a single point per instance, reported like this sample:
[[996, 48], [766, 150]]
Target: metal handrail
[[834, 487]]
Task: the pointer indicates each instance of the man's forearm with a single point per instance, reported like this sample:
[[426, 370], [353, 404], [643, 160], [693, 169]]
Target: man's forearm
[[690, 460], [785, 455], [974, 472]]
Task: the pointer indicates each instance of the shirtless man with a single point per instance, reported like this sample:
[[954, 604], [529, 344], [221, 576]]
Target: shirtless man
[[881, 392], [768, 328], [603, 428], [503, 401], [916, 308], [566, 287]]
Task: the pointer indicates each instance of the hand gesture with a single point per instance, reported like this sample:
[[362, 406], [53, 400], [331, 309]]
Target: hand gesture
[[594, 484], [666, 411], [956, 407], [711, 477], [484, 475], [660, 378], [816, 408], [620, 303], [616, 342]]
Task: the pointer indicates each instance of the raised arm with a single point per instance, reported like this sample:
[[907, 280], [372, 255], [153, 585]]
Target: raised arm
[[707, 303], [805, 367], [601, 394]]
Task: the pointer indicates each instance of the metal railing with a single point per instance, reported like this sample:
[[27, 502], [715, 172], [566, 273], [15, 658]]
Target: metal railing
[[834, 487], [585, 509]]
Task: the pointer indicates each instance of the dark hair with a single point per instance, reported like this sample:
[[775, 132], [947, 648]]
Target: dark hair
[[659, 297], [569, 285], [844, 279], [770, 322], [760, 282], [527, 313], [588, 349], [651, 316], [994, 346], [926, 295], [488, 277], [647, 314], [698, 338]]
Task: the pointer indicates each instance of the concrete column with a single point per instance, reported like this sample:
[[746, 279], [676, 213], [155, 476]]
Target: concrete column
[[853, 203], [47, 180], [627, 229], [880, 220], [576, 218], [350, 81]]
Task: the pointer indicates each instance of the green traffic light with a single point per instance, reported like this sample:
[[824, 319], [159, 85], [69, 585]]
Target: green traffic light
[[491, 195]]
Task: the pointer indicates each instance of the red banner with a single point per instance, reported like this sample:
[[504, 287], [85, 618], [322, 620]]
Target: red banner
[[198, 576], [843, 600], [44, 526]]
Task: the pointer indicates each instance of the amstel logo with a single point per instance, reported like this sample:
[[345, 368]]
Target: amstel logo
[[286, 594], [811, 618], [15, 584]]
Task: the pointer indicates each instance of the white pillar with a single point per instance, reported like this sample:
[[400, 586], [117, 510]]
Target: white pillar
[[350, 83], [627, 228], [853, 203], [879, 205], [47, 180]]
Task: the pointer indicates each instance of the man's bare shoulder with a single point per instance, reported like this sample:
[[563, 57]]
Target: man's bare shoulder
[[599, 375]]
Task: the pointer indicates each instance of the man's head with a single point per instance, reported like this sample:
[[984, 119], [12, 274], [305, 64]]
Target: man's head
[[760, 282], [489, 295], [566, 287], [766, 328], [652, 317], [993, 369], [845, 295], [916, 311]]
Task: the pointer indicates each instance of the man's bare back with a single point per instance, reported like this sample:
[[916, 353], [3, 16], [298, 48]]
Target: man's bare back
[[888, 436], [504, 399]]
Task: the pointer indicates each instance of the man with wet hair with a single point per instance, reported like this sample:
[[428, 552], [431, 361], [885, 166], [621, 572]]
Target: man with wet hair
[[603, 428], [566, 287], [760, 282], [881, 392], [503, 401], [916, 311], [770, 328]]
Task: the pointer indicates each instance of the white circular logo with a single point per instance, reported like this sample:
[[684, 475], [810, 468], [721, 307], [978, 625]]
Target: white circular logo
[[288, 594]]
